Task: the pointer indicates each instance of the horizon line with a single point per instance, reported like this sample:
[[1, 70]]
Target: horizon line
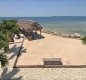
[[42, 16]]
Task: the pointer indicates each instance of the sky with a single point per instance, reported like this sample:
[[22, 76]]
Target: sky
[[41, 8]]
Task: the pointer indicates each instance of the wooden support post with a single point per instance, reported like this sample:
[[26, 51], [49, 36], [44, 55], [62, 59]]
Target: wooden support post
[[40, 32]]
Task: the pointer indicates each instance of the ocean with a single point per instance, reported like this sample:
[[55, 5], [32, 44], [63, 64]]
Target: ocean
[[61, 24]]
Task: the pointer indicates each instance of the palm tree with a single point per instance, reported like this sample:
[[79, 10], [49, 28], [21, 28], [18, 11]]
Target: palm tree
[[4, 46], [10, 28], [3, 59], [7, 29], [4, 42]]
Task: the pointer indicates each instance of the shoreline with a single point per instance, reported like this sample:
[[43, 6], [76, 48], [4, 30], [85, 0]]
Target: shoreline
[[55, 33]]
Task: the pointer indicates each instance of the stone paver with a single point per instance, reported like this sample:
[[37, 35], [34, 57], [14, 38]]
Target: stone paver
[[47, 74]]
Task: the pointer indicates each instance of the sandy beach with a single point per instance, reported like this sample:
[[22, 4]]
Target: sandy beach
[[42, 73], [71, 51]]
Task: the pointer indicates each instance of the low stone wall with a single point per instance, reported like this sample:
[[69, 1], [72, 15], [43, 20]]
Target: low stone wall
[[50, 66]]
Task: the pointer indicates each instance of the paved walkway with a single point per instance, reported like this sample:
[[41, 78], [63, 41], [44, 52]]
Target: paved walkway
[[45, 74]]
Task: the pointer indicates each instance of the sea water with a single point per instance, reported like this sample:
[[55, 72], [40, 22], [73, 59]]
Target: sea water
[[61, 24]]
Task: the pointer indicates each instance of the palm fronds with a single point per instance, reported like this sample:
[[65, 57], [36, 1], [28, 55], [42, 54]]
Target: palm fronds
[[3, 59], [84, 40], [8, 28]]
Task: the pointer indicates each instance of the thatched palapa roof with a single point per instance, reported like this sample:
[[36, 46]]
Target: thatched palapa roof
[[29, 25]]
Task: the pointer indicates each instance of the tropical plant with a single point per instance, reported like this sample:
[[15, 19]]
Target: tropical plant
[[3, 59], [4, 42], [4, 46], [8, 28], [84, 40]]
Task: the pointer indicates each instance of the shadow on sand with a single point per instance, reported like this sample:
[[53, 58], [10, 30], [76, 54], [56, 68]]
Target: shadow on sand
[[38, 36], [15, 50], [10, 75]]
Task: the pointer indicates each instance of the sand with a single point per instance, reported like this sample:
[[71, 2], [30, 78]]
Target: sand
[[41, 73], [71, 51]]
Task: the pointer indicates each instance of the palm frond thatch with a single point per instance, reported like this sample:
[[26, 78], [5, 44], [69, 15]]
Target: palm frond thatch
[[29, 25]]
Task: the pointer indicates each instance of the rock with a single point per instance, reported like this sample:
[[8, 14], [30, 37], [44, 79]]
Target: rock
[[69, 36], [44, 31], [59, 34], [72, 36], [64, 36], [48, 32], [55, 33], [76, 35]]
